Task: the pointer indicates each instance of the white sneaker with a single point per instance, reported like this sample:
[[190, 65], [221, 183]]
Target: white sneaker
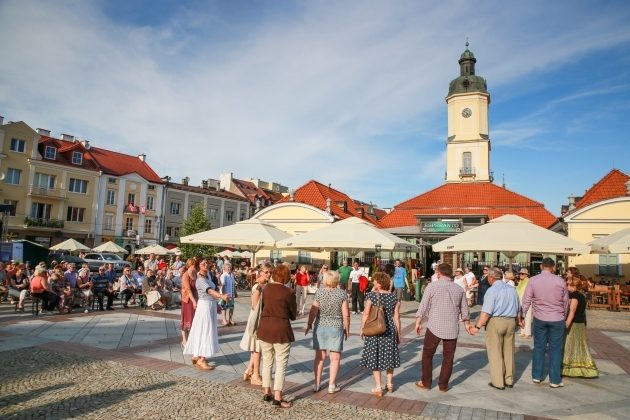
[[560, 385], [536, 381], [333, 388]]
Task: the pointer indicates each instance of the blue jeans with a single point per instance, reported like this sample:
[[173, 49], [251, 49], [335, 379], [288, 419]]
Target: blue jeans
[[547, 333]]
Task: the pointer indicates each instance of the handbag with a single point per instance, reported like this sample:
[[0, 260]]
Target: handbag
[[375, 323], [254, 318], [311, 289]]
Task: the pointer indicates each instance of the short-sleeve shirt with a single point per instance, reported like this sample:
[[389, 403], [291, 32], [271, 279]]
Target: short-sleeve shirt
[[344, 273], [400, 275], [501, 299], [330, 303], [580, 311], [202, 284]]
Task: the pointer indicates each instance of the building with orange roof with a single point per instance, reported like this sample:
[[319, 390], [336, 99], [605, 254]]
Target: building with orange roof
[[468, 198], [60, 188], [602, 210], [259, 193]]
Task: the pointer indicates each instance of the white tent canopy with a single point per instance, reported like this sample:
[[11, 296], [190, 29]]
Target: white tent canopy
[[226, 253], [110, 246], [152, 249], [511, 235], [352, 234], [251, 235], [175, 251], [71, 245], [615, 243]]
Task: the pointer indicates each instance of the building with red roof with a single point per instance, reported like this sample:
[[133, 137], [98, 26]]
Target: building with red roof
[[333, 201], [468, 198], [259, 193], [602, 210]]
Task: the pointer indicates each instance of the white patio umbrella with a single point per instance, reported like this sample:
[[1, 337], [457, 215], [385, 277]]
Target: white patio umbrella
[[245, 254], [251, 235], [511, 235], [175, 251], [110, 246], [615, 243], [152, 249], [71, 245], [226, 253], [352, 234]]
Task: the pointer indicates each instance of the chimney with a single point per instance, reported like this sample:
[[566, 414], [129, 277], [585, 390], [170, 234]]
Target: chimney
[[185, 181], [328, 203], [292, 195], [571, 202], [86, 143], [67, 137], [225, 180], [42, 132], [628, 187], [213, 184], [204, 184], [142, 157]]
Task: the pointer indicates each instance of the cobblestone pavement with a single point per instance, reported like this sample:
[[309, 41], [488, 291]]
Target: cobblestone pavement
[[128, 364], [38, 383]]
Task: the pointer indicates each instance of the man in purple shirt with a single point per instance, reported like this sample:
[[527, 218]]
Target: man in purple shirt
[[443, 303], [549, 295]]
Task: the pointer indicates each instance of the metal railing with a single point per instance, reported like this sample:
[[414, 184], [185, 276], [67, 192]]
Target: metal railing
[[39, 191], [41, 222], [467, 171]]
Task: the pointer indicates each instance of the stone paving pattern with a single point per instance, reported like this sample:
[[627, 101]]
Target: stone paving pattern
[[128, 363]]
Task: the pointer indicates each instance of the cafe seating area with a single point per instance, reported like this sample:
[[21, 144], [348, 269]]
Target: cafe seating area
[[613, 298]]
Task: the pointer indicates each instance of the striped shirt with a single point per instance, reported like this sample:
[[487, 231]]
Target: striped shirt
[[442, 303]]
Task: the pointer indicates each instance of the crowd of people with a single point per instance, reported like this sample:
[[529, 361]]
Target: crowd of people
[[547, 307]]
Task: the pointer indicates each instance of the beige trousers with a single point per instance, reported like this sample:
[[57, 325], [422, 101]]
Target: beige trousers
[[500, 347], [280, 353]]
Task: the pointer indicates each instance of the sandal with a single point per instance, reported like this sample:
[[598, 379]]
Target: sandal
[[247, 375], [203, 365], [378, 392], [390, 387], [267, 398], [282, 404], [194, 360]]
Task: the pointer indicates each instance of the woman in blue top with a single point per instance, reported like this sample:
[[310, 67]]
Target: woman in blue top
[[203, 340]]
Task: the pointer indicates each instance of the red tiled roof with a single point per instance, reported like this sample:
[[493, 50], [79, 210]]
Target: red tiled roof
[[119, 164], [64, 153], [250, 190], [611, 186], [315, 194], [478, 198], [113, 163]]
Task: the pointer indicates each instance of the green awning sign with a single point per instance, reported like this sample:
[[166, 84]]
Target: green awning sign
[[441, 227]]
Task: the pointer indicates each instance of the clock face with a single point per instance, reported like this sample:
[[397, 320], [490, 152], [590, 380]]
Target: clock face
[[466, 112]]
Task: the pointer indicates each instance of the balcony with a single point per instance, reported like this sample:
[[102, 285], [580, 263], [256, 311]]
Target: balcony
[[46, 223], [467, 172], [39, 191], [131, 209]]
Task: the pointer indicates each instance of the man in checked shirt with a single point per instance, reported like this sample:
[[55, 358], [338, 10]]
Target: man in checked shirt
[[444, 305]]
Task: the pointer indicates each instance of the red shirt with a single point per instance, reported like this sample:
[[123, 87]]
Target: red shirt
[[302, 279]]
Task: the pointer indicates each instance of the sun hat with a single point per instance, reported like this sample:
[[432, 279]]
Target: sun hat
[[524, 271]]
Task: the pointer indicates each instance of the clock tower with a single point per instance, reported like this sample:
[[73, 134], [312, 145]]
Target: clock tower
[[468, 143]]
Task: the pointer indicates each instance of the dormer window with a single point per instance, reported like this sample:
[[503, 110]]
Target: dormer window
[[50, 153], [77, 158]]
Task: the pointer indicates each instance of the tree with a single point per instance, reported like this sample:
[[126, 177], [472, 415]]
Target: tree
[[196, 222]]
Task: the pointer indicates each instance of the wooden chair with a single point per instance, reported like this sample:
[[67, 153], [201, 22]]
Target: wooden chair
[[599, 297]]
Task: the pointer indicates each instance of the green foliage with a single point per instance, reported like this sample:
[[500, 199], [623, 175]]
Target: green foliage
[[196, 222]]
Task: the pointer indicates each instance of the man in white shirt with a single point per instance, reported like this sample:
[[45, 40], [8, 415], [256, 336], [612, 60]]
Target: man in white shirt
[[357, 295]]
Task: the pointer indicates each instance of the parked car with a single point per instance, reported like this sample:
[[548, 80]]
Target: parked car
[[97, 259], [65, 257]]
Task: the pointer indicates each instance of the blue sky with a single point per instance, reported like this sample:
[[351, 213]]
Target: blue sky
[[348, 93]]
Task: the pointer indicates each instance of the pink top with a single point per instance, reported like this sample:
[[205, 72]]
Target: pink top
[[549, 295]]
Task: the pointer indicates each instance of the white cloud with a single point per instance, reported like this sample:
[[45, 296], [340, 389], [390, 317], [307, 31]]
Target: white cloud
[[339, 92]]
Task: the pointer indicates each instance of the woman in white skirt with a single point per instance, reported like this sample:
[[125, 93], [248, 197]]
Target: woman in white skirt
[[203, 341], [250, 342]]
